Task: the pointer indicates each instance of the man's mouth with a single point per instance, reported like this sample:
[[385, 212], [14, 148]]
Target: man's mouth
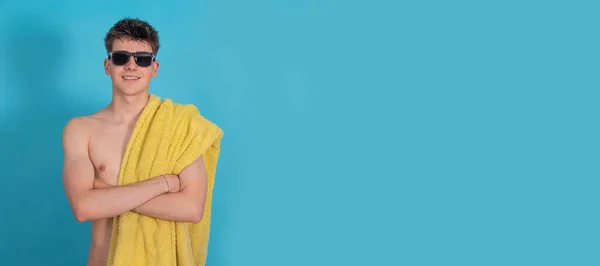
[[130, 77]]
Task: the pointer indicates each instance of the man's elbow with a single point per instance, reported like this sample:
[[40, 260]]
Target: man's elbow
[[195, 209], [84, 211], [81, 218], [195, 212], [81, 213], [196, 215]]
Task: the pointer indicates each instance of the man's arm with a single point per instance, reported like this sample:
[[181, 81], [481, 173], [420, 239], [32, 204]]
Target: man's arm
[[78, 180], [188, 204], [184, 206]]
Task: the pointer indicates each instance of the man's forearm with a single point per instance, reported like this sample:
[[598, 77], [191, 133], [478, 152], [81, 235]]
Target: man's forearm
[[112, 201], [172, 207]]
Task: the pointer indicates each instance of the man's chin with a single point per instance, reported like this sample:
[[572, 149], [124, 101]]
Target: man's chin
[[130, 91]]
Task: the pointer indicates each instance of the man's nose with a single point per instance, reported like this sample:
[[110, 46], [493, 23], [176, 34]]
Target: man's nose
[[131, 63]]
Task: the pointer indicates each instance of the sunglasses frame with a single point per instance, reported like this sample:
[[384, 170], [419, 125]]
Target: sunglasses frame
[[135, 57]]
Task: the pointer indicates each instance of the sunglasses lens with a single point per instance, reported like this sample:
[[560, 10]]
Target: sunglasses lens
[[120, 59], [144, 60]]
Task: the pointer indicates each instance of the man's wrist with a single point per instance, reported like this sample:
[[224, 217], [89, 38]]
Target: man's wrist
[[159, 181], [166, 182]]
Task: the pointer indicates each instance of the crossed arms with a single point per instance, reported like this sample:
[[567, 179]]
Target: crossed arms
[[178, 198]]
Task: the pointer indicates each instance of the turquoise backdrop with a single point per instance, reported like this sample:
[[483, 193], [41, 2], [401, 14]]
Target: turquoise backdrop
[[356, 132]]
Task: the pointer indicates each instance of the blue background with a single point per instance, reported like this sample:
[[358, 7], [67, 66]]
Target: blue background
[[356, 132]]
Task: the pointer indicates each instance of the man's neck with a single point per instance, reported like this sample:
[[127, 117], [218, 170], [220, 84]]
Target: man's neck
[[125, 109]]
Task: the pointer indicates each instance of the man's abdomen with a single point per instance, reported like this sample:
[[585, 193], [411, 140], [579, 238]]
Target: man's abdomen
[[100, 242]]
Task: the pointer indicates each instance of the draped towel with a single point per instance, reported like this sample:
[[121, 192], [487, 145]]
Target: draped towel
[[167, 137]]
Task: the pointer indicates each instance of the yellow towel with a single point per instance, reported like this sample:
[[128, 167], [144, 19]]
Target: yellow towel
[[166, 138]]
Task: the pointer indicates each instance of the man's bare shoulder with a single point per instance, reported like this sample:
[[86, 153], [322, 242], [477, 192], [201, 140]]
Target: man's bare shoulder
[[83, 124], [80, 124], [76, 130]]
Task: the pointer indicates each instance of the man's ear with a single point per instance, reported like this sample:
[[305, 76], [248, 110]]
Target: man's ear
[[106, 67], [155, 68]]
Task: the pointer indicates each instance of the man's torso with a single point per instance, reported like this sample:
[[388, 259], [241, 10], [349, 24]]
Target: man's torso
[[107, 145]]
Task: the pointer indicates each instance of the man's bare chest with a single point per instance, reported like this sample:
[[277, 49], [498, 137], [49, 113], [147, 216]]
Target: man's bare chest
[[107, 147]]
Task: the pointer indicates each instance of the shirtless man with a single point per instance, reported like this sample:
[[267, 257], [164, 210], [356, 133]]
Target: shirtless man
[[94, 146]]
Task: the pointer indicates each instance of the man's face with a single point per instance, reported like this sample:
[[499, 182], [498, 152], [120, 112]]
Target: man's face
[[130, 78]]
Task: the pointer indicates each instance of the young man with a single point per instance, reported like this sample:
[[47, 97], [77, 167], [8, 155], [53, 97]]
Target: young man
[[94, 146]]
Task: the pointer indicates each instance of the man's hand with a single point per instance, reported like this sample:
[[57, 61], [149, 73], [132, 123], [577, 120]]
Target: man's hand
[[173, 183]]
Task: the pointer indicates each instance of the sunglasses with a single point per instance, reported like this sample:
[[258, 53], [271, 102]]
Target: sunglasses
[[121, 58]]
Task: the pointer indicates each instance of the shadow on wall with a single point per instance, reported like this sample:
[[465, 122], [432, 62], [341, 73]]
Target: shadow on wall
[[38, 227]]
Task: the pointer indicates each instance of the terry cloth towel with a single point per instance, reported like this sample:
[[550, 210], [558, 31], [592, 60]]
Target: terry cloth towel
[[167, 137]]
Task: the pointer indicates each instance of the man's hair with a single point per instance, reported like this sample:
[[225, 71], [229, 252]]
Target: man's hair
[[134, 29]]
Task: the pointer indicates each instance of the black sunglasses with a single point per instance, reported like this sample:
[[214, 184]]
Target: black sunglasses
[[121, 58]]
